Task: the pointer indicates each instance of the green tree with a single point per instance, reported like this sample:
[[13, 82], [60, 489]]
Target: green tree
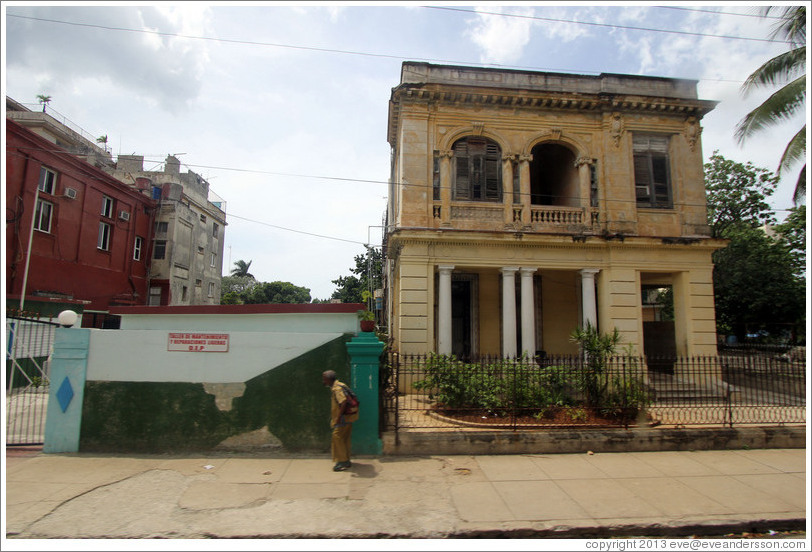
[[367, 275], [43, 100], [792, 232], [241, 269], [737, 193], [277, 292], [756, 286], [235, 288], [789, 69], [756, 282]]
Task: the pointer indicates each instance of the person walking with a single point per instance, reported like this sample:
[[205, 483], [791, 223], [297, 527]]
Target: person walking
[[343, 412]]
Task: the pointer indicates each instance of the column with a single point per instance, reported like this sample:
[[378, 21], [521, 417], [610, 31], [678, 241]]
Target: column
[[524, 186], [445, 187], [507, 187], [588, 300], [585, 185], [509, 311], [444, 310], [528, 312]]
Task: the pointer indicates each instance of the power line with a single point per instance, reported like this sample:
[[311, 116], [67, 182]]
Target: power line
[[607, 25], [344, 179], [755, 15], [346, 52], [232, 215]]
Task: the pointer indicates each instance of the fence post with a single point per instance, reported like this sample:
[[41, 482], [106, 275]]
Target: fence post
[[68, 372], [365, 354]]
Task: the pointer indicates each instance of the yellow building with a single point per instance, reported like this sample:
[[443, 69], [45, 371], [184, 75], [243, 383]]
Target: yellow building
[[524, 204]]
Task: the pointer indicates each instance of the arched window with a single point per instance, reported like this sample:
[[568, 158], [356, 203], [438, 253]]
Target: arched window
[[477, 170]]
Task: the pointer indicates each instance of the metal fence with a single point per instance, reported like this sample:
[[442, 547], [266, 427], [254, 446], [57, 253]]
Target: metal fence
[[432, 391], [29, 343]]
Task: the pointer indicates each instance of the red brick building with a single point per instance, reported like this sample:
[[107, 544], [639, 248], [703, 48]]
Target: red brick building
[[92, 234]]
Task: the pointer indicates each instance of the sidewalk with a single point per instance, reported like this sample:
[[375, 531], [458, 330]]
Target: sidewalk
[[645, 494]]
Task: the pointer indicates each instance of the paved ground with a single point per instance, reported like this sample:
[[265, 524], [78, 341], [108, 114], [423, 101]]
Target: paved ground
[[672, 494]]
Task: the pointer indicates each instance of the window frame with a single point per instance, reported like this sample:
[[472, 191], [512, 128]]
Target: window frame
[[45, 185], [213, 260], [477, 157], [211, 289], [215, 230], [160, 246], [138, 246], [652, 162], [105, 235], [39, 216], [107, 206]]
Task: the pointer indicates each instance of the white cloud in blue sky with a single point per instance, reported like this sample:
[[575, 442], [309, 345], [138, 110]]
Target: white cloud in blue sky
[[259, 93]]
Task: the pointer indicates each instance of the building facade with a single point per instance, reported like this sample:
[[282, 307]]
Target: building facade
[[73, 233], [523, 205], [189, 234]]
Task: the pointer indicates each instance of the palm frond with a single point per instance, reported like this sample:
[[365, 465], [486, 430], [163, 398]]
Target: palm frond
[[800, 187], [795, 151], [779, 69], [779, 107]]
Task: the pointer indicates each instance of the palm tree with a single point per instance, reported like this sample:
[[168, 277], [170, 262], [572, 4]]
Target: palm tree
[[242, 269], [789, 99], [43, 99]]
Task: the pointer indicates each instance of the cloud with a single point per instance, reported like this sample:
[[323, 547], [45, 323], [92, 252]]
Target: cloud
[[501, 39], [165, 71]]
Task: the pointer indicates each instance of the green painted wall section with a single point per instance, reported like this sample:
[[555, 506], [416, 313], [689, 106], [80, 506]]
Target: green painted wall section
[[174, 417]]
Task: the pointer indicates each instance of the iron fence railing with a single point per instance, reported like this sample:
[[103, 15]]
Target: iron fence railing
[[431, 391], [29, 343]]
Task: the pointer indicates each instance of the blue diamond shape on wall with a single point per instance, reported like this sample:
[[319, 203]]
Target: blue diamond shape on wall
[[65, 394]]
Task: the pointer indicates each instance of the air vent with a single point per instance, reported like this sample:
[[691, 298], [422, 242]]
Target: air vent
[[70, 193], [124, 215]]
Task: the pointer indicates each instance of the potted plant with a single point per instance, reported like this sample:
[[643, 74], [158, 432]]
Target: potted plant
[[367, 318]]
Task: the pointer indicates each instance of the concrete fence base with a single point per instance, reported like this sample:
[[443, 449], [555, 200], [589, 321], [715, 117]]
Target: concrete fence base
[[594, 440]]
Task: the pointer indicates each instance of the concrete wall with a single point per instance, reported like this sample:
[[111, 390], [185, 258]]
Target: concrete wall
[[261, 392]]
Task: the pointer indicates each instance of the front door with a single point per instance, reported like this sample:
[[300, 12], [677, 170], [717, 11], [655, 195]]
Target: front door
[[463, 315]]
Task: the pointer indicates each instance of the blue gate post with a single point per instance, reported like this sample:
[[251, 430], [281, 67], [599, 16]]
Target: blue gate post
[[365, 353], [67, 390]]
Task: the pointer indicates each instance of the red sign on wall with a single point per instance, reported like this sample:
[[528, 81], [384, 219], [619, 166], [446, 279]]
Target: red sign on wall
[[198, 342]]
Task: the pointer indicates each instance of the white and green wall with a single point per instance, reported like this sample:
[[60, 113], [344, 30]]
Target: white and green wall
[[259, 388]]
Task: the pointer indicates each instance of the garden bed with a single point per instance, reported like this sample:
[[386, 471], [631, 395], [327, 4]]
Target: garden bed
[[558, 417]]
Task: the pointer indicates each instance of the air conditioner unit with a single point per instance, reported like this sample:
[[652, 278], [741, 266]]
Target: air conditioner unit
[[70, 193], [124, 215]]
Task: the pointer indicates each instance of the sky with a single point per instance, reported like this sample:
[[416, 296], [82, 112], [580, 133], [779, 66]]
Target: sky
[[282, 107]]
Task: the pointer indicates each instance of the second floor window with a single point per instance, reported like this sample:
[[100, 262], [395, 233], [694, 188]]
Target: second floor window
[[477, 170], [215, 230], [161, 227], [47, 181], [652, 181], [160, 250], [107, 207], [139, 245], [43, 215], [104, 237]]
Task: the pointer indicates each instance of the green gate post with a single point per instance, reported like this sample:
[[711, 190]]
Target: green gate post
[[365, 353]]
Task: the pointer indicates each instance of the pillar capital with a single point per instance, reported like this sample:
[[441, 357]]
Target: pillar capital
[[528, 270], [445, 269], [509, 270], [589, 272]]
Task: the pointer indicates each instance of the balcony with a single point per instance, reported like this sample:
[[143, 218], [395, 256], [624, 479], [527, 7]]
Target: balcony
[[500, 217]]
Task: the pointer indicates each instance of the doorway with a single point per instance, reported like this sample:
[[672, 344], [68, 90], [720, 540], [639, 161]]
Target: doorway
[[463, 315]]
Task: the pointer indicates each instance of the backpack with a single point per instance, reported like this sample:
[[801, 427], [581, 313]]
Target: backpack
[[352, 400]]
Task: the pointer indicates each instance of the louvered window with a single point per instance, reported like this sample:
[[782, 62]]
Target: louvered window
[[478, 170], [651, 172]]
